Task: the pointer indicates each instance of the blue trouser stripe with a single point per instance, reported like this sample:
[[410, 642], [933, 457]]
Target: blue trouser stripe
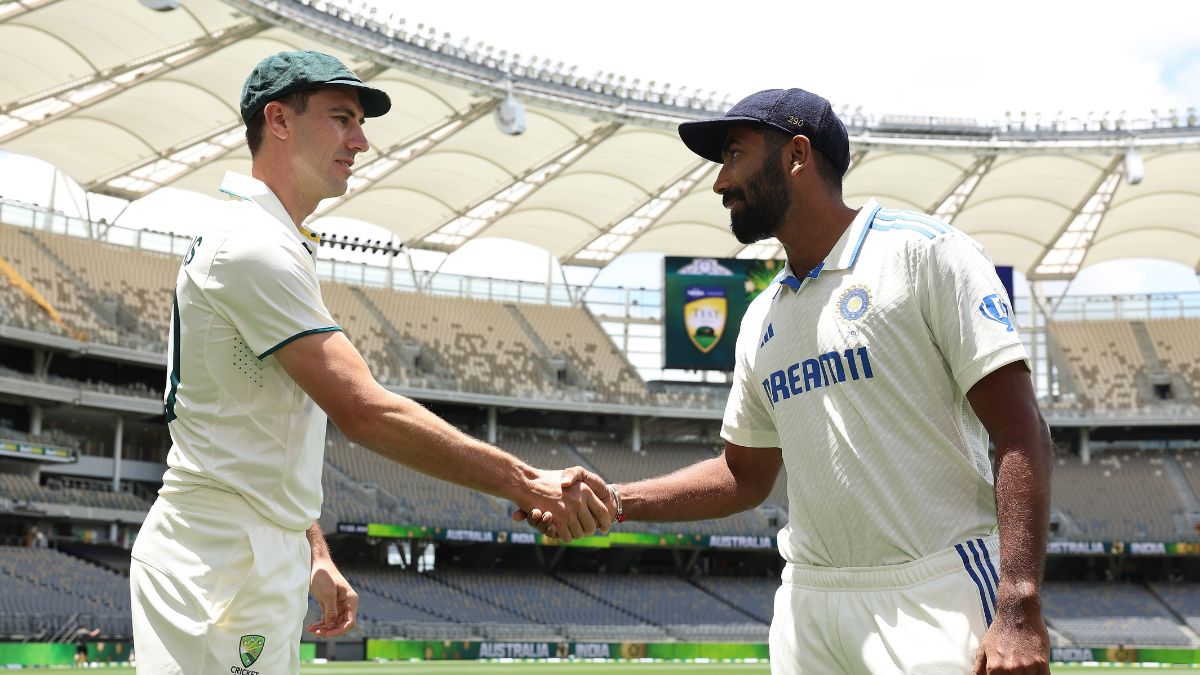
[[988, 559], [979, 566], [987, 612]]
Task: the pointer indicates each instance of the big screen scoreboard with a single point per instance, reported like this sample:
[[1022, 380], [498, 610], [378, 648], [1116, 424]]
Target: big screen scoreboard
[[704, 300]]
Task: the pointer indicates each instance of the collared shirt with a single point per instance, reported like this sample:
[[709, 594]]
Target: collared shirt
[[858, 371], [247, 286]]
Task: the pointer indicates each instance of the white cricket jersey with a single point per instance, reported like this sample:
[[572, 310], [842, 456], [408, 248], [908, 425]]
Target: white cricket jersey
[[248, 286], [858, 372]]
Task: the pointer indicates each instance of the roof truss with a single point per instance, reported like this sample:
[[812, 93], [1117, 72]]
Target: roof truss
[[407, 150], [470, 221], [166, 167], [1063, 258], [619, 234], [22, 116]]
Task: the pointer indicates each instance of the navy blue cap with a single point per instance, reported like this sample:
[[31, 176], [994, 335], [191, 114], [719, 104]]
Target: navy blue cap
[[795, 112]]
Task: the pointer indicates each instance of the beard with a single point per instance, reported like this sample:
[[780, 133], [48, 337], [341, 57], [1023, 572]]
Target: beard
[[761, 218]]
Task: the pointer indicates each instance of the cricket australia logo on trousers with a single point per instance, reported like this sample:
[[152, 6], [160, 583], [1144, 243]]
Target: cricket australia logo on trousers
[[995, 308], [249, 649]]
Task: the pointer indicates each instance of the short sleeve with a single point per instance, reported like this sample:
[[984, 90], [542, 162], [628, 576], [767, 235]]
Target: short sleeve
[[269, 294], [748, 420], [967, 308]]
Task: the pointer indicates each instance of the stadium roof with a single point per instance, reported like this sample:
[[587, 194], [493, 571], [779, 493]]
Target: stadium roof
[[126, 100]]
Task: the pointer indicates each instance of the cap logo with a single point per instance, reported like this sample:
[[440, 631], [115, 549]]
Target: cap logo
[[796, 121]]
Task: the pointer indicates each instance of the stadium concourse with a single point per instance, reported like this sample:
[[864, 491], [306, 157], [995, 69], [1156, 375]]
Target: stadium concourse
[[558, 374]]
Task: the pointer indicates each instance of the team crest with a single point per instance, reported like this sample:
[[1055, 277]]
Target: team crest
[[250, 648], [704, 315], [854, 303]]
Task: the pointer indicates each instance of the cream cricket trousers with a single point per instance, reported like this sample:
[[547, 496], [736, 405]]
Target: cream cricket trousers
[[216, 588], [925, 617]]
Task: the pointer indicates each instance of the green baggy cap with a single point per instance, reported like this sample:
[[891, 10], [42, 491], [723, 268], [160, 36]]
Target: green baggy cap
[[288, 72]]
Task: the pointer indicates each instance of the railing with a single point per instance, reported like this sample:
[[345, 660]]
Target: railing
[[1128, 307]]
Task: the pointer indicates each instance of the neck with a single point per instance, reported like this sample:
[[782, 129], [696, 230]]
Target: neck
[[810, 231], [297, 206]]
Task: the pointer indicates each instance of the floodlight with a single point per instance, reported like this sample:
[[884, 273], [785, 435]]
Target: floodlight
[[1135, 170], [510, 114], [162, 5]]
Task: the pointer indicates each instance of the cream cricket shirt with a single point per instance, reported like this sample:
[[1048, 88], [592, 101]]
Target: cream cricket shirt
[[858, 371], [238, 422]]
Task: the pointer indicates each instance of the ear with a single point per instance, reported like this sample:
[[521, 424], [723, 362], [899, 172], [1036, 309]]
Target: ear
[[799, 154], [275, 120]]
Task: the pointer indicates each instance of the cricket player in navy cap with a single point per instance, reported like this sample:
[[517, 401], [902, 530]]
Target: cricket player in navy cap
[[874, 370]]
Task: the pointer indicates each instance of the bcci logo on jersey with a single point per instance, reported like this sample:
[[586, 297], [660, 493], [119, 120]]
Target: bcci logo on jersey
[[995, 308], [704, 314]]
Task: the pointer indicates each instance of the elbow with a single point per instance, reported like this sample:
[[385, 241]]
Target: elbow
[[354, 422]]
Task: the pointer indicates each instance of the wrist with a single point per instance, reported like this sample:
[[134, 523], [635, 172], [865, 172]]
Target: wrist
[[618, 510], [1024, 596]]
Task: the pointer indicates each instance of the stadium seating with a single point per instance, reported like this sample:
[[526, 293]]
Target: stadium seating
[[572, 333], [42, 590], [1183, 599], [681, 609], [1100, 614], [21, 251], [1104, 360], [419, 499], [1177, 343], [139, 290], [1123, 496]]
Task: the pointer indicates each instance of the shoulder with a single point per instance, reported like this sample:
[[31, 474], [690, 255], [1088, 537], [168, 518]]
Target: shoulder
[[920, 238]]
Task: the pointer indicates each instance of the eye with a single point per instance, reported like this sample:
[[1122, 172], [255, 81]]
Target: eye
[[342, 119]]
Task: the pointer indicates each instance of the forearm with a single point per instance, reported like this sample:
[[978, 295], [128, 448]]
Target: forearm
[[316, 543], [704, 490], [1023, 508], [403, 431]]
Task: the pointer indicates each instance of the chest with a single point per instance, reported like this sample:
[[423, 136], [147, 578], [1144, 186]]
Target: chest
[[832, 333]]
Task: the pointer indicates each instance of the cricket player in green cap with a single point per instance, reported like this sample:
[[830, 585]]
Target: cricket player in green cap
[[229, 552]]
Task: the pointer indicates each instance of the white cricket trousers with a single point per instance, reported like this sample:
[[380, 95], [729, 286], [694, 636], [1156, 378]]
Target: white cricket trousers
[[925, 617], [217, 588]]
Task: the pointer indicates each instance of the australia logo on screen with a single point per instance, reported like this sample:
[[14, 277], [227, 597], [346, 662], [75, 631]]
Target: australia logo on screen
[[705, 311]]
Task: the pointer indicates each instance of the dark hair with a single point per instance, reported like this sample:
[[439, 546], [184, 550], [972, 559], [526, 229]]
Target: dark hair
[[297, 101], [776, 139]]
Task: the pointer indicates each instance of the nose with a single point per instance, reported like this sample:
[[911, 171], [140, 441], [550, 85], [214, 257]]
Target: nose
[[357, 141], [722, 183]]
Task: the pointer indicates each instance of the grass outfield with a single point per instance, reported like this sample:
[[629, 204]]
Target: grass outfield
[[474, 668]]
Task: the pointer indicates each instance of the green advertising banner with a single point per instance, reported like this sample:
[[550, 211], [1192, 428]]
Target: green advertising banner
[[639, 539], [703, 303], [1172, 656], [428, 650], [36, 654]]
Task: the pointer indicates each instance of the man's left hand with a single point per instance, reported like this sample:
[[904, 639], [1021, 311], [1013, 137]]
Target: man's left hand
[[339, 602], [1017, 642]]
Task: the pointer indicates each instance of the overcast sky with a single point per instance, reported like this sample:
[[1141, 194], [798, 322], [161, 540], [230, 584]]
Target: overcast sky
[[935, 58]]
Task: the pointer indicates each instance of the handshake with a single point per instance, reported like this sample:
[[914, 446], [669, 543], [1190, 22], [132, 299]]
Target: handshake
[[568, 504]]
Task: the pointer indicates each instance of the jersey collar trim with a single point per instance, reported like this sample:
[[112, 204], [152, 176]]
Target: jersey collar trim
[[246, 188], [843, 255]]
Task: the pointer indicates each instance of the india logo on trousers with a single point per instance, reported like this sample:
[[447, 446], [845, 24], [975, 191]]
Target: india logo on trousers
[[250, 648]]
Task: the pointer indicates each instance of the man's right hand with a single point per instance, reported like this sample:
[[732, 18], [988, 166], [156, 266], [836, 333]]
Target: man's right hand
[[567, 504]]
